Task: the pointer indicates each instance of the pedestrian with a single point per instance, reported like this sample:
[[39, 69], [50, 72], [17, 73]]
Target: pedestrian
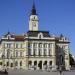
[[60, 70]]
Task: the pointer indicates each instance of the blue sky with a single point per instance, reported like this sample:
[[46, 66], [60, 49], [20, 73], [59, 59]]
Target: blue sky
[[55, 16]]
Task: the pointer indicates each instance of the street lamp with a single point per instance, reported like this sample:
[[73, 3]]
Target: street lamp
[[3, 60]]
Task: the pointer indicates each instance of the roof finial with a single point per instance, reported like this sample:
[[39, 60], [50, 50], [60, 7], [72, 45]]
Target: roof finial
[[8, 32], [33, 9]]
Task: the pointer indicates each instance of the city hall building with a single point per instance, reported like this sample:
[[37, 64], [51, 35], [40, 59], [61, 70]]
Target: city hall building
[[34, 50]]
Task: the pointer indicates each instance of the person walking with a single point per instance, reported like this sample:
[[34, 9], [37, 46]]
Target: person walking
[[60, 70]]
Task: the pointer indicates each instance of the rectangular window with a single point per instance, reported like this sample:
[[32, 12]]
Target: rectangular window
[[29, 45], [0, 63], [50, 45], [40, 52], [8, 45], [35, 45], [35, 52], [17, 46], [40, 45], [45, 52], [21, 46], [8, 63], [8, 53], [16, 53], [49, 52], [45, 45], [21, 54], [29, 52], [20, 63]]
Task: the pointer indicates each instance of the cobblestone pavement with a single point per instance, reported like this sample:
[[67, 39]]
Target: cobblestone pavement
[[30, 72]]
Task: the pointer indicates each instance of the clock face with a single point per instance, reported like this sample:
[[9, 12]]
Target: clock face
[[34, 24]]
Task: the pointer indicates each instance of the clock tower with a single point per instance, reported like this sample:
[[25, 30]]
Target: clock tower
[[33, 20]]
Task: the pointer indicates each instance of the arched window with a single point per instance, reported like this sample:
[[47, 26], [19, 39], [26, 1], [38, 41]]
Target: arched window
[[20, 63], [30, 62], [11, 65], [0, 63], [8, 63], [35, 62], [45, 63], [50, 63], [39, 36]]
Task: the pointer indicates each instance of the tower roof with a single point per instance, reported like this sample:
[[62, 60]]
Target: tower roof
[[33, 11]]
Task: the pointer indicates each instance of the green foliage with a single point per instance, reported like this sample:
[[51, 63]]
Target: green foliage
[[72, 62]]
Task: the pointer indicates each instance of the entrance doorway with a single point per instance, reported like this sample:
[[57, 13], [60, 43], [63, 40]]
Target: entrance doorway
[[40, 65], [35, 65]]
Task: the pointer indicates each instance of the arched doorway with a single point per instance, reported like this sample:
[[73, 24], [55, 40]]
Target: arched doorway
[[50, 64], [11, 64], [45, 65], [35, 65], [29, 64], [40, 65]]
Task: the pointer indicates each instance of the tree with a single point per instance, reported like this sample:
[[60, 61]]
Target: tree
[[72, 61]]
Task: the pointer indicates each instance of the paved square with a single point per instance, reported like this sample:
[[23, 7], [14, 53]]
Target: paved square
[[29, 72]]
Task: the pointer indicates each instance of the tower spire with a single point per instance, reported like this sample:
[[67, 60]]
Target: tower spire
[[33, 20], [33, 12]]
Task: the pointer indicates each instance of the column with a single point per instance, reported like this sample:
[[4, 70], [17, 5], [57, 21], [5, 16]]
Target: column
[[37, 49], [42, 49], [32, 49], [37, 65], [47, 50], [54, 56], [33, 64], [42, 65]]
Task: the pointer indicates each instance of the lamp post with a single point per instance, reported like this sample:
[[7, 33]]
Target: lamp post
[[60, 64], [3, 60]]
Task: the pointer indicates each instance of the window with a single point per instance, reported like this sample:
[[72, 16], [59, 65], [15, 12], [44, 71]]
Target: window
[[34, 52], [20, 63], [29, 52], [21, 46], [50, 63], [21, 54], [50, 45], [45, 45], [39, 36], [16, 53], [7, 63], [11, 65], [29, 45], [8, 53], [30, 62], [49, 51], [40, 45], [45, 52], [16, 45], [0, 63], [35, 45], [40, 52], [8, 45], [65, 47]]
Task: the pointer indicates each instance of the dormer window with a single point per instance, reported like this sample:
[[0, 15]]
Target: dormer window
[[40, 35]]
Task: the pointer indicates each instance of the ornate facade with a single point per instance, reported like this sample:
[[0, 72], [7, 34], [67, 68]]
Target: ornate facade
[[34, 50]]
